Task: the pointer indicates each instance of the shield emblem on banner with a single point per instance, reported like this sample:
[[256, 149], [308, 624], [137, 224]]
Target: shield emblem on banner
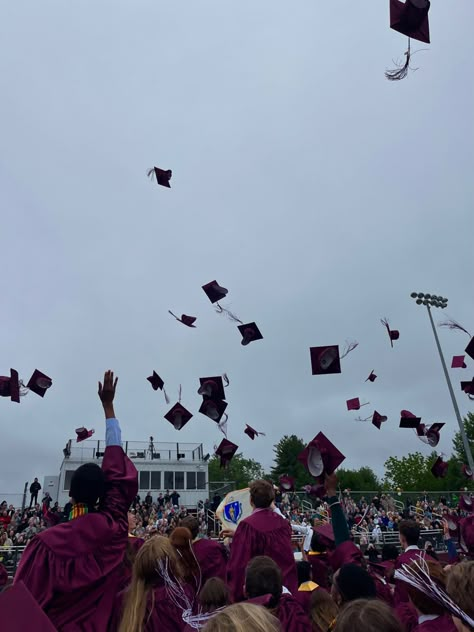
[[233, 511]]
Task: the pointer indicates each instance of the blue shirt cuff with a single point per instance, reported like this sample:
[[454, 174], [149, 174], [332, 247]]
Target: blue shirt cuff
[[113, 434]]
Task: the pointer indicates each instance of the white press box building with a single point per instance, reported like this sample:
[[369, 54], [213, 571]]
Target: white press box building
[[161, 466]]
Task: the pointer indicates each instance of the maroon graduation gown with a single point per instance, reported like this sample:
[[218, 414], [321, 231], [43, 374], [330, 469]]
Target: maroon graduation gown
[[264, 532], [444, 623], [291, 615], [212, 558], [74, 569], [303, 597], [400, 593]]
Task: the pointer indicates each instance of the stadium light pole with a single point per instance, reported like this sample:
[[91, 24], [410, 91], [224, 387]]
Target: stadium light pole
[[429, 301]]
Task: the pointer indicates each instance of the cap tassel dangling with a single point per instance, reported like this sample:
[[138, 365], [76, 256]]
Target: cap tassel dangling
[[180, 390], [348, 347], [401, 70], [453, 324], [228, 313], [167, 399], [226, 379]]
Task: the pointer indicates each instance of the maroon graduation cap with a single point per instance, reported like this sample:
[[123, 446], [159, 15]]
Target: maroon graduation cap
[[315, 491], [186, 320], [439, 468], [327, 359], [326, 534], [372, 377], [226, 451], [162, 176], [250, 332], [354, 404], [212, 387], [252, 433], [378, 419], [409, 420], [468, 387], [83, 434], [410, 18], [470, 349], [156, 381], [393, 334], [458, 362], [429, 434], [39, 383], [213, 409], [20, 611], [320, 456], [10, 386], [178, 416], [287, 483], [465, 502], [214, 291], [467, 472]]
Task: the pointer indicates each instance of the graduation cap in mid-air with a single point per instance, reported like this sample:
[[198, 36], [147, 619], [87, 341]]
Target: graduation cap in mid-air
[[327, 359], [372, 377], [409, 420], [10, 386], [378, 419], [393, 334], [467, 472], [252, 433], [354, 404], [216, 293], [83, 434], [287, 483], [186, 320], [429, 434], [468, 388], [178, 416], [162, 176], [226, 451], [439, 469], [409, 18], [320, 456], [158, 384], [458, 362], [214, 409], [213, 387], [250, 332]]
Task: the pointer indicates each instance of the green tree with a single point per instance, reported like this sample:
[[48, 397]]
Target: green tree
[[413, 473], [458, 445], [363, 479], [286, 461], [240, 470]]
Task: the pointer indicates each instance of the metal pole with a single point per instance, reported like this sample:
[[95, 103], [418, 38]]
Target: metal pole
[[467, 447]]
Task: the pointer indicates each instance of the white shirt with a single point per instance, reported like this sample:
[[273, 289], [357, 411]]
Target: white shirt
[[412, 547], [427, 617]]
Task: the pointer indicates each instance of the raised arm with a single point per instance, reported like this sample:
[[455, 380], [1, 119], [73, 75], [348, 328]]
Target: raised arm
[[339, 522]]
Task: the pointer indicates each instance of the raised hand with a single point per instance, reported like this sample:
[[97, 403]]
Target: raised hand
[[330, 483], [107, 392]]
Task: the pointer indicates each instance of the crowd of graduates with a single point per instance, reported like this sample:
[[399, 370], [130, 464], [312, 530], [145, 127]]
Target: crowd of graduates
[[104, 569]]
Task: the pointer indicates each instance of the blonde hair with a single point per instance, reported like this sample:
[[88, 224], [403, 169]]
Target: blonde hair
[[367, 615], [460, 586], [243, 617], [323, 610], [145, 575]]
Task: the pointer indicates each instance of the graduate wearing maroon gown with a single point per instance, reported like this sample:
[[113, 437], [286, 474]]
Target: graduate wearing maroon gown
[[212, 558], [73, 570], [264, 532], [409, 533]]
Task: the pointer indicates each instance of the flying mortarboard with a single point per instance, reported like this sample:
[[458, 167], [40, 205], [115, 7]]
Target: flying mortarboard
[[372, 377], [214, 291], [39, 383], [158, 384], [429, 434], [315, 491], [409, 420], [470, 349], [162, 176], [83, 434], [213, 409], [467, 472], [354, 404], [186, 320], [326, 534], [465, 502], [458, 362], [212, 387], [250, 332], [393, 334], [226, 451], [287, 483], [19, 608], [320, 456], [252, 433], [10, 386], [468, 388], [327, 360], [378, 419], [178, 416], [439, 468]]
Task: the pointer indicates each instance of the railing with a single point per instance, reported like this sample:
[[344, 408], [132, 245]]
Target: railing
[[435, 536], [136, 450], [10, 558]]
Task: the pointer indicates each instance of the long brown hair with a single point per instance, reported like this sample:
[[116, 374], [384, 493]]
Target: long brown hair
[[243, 617], [145, 575], [182, 541], [367, 615], [323, 610]]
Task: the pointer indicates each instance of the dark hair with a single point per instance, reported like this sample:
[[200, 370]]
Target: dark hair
[[214, 594], [181, 539], [389, 552], [87, 484], [304, 572], [421, 601], [262, 494], [316, 544], [191, 523], [354, 582], [263, 577], [323, 610], [410, 530]]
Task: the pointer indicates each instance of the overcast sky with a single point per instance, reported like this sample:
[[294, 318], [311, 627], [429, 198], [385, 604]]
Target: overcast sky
[[316, 191]]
